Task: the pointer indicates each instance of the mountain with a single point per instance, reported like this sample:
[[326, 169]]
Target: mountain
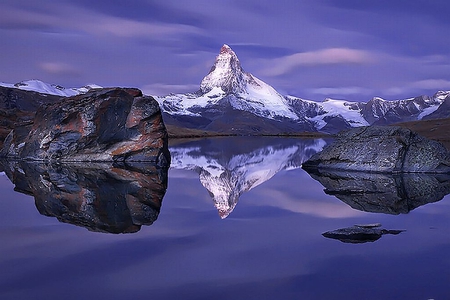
[[50, 89], [231, 100], [228, 168]]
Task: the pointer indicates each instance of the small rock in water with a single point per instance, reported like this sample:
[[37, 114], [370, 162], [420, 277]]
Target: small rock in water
[[358, 234]]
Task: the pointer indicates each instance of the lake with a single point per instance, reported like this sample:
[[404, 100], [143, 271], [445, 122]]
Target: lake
[[240, 219]]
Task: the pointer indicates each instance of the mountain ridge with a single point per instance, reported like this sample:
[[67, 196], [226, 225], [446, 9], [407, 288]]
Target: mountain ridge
[[227, 89], [232, 101], [35, 85]]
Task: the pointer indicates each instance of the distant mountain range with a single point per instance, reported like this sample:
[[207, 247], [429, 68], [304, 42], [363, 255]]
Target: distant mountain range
[[50, 89], [231, 100]]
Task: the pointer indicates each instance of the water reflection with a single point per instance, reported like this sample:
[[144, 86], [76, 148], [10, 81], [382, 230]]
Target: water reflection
[[229, 167], [100, 197], [383, 193]]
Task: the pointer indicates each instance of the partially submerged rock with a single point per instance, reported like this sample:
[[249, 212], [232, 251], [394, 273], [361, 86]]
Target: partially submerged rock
[[358, 234], [382, 149], [113, 124]]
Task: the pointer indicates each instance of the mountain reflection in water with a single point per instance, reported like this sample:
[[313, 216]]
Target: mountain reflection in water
[[98, 196], [118, 199], [383, 193], [227, 169]]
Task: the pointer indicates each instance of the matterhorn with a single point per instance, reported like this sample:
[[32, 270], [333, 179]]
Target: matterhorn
[[233, 101]]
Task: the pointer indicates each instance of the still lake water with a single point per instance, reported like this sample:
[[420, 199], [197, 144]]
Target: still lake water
[[240, 220]]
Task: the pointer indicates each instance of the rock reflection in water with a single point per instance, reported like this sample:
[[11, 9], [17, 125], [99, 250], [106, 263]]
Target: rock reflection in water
[[100, 197], [228, 167], [384, 193]]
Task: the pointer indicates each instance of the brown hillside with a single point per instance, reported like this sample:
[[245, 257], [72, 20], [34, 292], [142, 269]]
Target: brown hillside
[[438, 129]]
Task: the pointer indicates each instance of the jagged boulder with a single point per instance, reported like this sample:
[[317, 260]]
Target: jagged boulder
[[112, 124], [18, 106], [14, 98], [382, 149]]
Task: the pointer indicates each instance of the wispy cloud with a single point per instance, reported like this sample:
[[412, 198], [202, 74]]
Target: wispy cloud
[[160, 89], [325, 209], [432, 84], [352, 90], [427, 84], [69, 18], [58, 68], [282, 65]]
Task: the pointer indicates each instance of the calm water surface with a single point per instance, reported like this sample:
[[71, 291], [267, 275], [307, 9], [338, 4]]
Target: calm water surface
[[239, 220]]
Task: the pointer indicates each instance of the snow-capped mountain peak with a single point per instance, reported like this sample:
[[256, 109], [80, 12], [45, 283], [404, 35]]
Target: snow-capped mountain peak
[[441, 95], [226, 73], [35, 85], [228, 85]]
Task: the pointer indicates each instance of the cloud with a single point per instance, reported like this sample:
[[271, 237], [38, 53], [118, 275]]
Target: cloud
[[323, 209], [426, 84], [69, 18], [57, 68], [352, 90], [329, 56], [160, 89], [432, 84]]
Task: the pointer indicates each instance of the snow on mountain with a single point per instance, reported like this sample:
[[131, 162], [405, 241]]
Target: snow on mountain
[[52, 89], [321, 112], [382, 112], [228, 85], [227, 82], [228, 176]]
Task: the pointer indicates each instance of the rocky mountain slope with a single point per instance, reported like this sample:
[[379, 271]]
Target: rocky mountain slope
[[234, 101]]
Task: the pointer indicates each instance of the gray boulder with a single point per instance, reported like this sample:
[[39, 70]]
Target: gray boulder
[[384, 150]]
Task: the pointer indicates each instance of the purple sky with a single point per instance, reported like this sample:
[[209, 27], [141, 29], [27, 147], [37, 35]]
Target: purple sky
[[346, 49]]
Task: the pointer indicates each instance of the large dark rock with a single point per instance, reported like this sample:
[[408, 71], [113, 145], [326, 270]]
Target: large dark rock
[[13, 98], [101, 197], [383, 193], [382, 149], [18, 106], [114, 124]]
